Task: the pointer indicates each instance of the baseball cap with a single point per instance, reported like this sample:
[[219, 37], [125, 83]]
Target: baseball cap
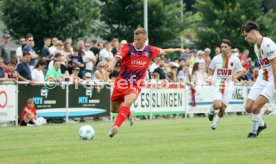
[[87, 74], [76, 68], [6, 36]]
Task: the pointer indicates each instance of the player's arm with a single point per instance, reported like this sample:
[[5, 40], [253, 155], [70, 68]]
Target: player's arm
[[238, 75], [273, 64], [172, 50], [112, 63]]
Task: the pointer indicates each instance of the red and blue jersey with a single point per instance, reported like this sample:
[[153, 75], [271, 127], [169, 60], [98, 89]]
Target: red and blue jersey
[[134, 62]]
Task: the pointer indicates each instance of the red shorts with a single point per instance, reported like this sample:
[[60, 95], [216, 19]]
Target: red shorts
[[119, 94]]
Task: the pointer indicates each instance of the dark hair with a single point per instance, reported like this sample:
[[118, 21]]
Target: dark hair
[[26, 53], [226, 41], [250, 25], [45, 38], [56, 61], [12, 61], [94, 41], [195, 68], [28, 35], [40, 63]]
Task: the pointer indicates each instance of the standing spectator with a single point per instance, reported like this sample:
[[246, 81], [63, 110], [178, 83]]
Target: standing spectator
[[160, 70], [101, 74], [75, 60], [200, 57], [115, 46], [29, 48], [106, 54], [19, 50], [217, 51], [81, 53], [2, 64], [54, 73], [45, 53], [185, 74], [95, 50], [155, 64], [207, 52], [28, 114], [4, 53], [38, 71], [68, 50], [53, 48], [199, 75], [89, 59], [69, 41], [245, 60], [24, 69]]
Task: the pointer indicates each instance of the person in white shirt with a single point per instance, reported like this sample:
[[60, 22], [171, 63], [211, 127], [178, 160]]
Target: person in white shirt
[[105, 54], [226, 69], [263, 90], [53, 48], [19, 52], [38, 71], [89, 58]]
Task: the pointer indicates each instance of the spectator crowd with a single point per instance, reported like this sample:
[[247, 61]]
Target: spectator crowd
[[87, 61]]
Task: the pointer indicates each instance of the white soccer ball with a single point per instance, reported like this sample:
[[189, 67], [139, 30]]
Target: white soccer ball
[[86, 132]]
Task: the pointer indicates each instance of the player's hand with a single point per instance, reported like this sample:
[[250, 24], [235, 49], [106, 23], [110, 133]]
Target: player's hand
[[184, 51]]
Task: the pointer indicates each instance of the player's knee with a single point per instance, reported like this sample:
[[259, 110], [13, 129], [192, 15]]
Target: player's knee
[[256, 108], [128, 103], [217, 105], [248, 108]]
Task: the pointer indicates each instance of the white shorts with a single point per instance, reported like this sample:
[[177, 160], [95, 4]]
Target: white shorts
[[225, 98], [261, 87]]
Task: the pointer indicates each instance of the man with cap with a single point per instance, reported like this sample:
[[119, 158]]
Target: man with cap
[[4, 53]]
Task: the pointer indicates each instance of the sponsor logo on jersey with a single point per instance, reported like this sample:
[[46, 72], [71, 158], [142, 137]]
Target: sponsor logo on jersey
[[224, 72], [138, 62]]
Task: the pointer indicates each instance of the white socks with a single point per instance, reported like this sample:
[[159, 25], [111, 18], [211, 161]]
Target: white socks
[[216, 121], [255, 122]]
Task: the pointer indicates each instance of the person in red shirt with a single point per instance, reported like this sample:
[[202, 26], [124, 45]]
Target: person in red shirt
[[28, 114], [245, 60], [135, 60]]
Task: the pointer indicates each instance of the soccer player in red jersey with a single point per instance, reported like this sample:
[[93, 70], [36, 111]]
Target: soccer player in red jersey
[[135, 60]]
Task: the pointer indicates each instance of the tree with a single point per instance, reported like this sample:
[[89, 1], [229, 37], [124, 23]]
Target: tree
[[223, 19], [122, 17], [61, 18]]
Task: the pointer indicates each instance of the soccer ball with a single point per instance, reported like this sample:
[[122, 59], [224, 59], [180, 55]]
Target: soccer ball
[[86, 132]]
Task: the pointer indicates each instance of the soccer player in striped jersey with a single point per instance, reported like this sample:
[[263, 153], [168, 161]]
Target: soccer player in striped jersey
[[264, 88], [226, 69], [135, 60]]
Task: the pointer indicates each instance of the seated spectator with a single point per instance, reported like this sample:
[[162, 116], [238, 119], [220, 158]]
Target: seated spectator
[[28, 114], [184, 75], [101, 74], [88, 82], [161, 70], [54, 73], [38, 71], [59, 57], [74, 77], [2, 74], [173, 72], [11, 74], [23, 68], [116, 71]]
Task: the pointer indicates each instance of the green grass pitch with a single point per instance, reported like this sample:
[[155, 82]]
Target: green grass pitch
[[147, 142]]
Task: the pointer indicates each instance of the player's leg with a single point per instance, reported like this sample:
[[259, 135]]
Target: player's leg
[[256, 116], [115, 106], [123, 113], [215, 105], [218, 104]]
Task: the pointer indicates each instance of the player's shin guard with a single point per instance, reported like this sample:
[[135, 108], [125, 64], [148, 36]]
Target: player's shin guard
[[122, 115], [255, 121]]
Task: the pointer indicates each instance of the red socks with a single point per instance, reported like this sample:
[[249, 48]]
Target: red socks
[[122, 115]]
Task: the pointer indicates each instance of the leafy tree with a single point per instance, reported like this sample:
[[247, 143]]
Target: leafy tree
[[61, 18], [122, 17], [223, 19]]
